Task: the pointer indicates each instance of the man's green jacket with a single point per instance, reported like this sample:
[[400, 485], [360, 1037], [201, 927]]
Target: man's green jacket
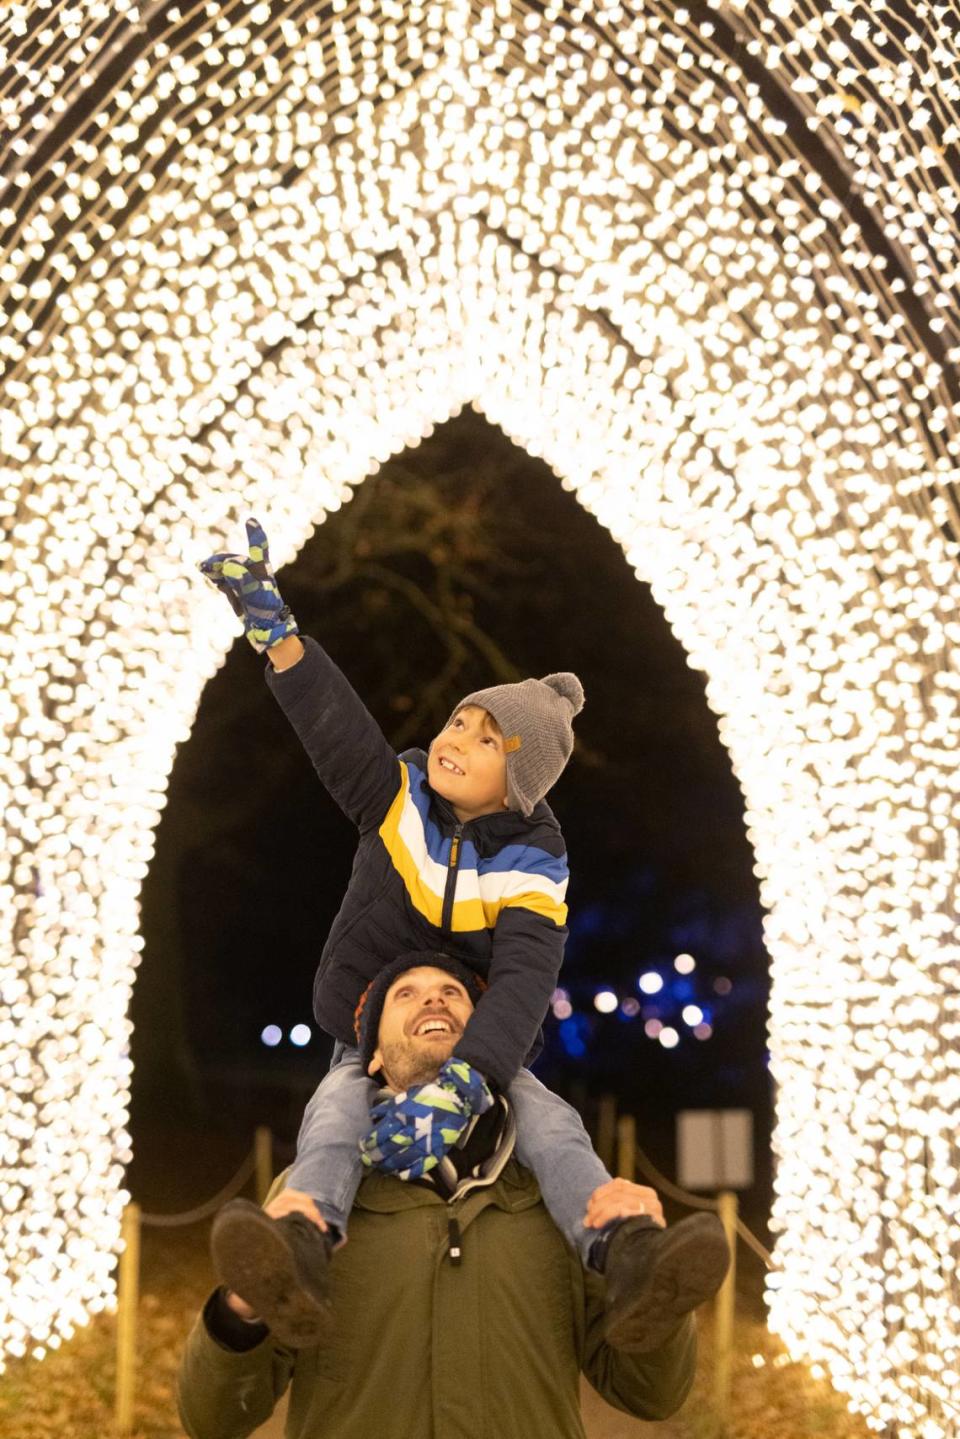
[[424, 1348]]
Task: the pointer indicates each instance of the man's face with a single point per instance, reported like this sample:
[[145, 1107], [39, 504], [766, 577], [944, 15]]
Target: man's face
[[467, 764], [424, 1014]]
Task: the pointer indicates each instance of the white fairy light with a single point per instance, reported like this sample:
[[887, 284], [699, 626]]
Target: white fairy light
[[279, 250]]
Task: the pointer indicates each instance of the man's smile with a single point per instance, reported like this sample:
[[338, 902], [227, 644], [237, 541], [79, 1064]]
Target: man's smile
[[434, 1024]]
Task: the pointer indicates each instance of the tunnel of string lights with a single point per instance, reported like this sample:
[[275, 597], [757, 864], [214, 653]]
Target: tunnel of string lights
[[703, 260]]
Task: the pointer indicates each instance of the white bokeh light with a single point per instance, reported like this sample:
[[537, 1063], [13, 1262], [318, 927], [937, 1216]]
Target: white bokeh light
[[283, 249]]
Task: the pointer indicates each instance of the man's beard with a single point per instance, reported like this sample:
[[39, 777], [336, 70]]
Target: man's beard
[[405, 1063]]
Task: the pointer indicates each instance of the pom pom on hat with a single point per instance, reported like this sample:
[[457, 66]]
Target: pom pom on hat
[[568, 687]]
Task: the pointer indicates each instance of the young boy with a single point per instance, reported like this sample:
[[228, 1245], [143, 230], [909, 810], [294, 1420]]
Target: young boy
[[459, 853]]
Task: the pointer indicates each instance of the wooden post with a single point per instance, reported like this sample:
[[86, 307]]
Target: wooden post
[[263, 1153], [578, 1096], [725, 1304], [128, 1295], [626, 1147], [607, 1129]]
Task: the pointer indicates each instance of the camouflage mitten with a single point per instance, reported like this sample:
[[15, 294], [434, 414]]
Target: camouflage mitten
[[250, 585], [412, 1131]]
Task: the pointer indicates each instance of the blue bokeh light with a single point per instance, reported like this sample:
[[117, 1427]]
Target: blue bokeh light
[[573, 1035]]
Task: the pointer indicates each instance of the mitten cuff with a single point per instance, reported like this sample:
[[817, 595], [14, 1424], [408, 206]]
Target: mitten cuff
[[264, 638], [467, 1083]]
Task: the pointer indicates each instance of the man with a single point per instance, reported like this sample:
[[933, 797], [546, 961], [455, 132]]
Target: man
[[458, 1310]]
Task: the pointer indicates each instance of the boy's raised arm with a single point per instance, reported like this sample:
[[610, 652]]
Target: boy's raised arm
[[343, 740]]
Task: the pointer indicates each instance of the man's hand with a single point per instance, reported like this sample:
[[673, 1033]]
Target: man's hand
[[288, 1201], [251, 588], [619, 1199], [413, 1130]]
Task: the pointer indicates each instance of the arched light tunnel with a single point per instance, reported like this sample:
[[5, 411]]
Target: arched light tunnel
[[704, 261]]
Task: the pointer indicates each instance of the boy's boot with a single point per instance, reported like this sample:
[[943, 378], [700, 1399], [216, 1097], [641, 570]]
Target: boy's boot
[[656, 1276], [279, 1266]]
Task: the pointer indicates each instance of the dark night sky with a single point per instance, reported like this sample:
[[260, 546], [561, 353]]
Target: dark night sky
[[253, 858]]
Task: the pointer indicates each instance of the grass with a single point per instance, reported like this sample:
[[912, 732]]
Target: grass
[[70, 1393], [771, 1397]]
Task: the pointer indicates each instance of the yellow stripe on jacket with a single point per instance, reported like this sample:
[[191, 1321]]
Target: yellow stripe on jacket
[[479, 898]]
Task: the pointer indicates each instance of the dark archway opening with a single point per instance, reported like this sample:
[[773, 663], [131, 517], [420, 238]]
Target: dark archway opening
[[461, 562]]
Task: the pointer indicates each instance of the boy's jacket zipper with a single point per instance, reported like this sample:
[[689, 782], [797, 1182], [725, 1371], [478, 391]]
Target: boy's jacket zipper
[[446, 915]]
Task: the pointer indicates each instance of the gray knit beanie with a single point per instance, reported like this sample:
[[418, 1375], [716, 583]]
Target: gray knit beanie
[[536, 719]]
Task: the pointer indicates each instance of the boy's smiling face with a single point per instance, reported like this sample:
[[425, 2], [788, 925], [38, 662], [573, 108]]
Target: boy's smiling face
[[467, 764]]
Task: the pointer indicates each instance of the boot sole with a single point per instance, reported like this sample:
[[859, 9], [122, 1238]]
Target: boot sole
[[685, 1275], [251, 1258]]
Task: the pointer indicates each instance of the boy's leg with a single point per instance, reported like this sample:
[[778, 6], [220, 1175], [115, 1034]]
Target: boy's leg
[[552, 1141], [654, 1276], [278, 1263], [327, 1165]]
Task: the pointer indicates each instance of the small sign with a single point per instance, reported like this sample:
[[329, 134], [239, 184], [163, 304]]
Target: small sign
[[715, 1148]]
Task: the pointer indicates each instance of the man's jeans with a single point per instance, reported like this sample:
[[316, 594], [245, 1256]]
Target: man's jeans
[[551, 1140]]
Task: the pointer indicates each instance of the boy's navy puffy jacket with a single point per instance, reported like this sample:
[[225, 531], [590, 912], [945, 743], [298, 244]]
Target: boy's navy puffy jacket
[[490, 891]]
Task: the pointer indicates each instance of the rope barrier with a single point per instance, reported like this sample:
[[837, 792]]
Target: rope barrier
[[673, 1191], [259, 1162], [752, 1242], [203, 1211], [696, 1201]]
